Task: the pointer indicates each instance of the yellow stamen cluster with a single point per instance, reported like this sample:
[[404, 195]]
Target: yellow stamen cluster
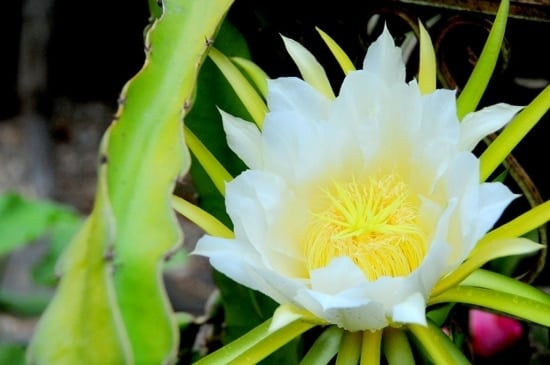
[[373, 222]]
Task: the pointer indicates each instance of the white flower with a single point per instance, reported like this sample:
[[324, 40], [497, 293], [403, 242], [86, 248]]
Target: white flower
[[353, 208]]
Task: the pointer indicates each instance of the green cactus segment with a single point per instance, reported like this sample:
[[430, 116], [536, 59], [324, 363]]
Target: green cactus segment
[[111, 306], [146, 154], [82, 324]]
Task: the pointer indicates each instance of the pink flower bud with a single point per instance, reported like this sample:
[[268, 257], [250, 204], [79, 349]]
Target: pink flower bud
[[491, 333]]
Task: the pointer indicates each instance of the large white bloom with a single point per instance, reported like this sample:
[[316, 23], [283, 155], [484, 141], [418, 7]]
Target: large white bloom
[[353, 208]]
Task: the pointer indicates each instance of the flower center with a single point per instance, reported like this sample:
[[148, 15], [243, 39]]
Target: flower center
[[374, 223]]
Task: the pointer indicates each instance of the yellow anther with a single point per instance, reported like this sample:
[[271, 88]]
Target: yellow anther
[[373, 222]]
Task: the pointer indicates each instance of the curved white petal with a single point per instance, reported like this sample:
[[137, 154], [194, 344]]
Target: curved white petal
[[244, 139], [475, 126], [230, 257], [412, 310], [339, 275], [439, 118], [494, 198], [253, 202], [296, 96], [351, 313]]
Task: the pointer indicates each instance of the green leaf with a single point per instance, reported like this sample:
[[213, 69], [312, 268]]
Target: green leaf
[[61, 234], [243, 308], [12, 354], [440, 314], [155, 8], [25, 305], [24, 220]]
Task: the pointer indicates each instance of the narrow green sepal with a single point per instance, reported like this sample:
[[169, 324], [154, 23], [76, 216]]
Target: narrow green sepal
[[514, 132], [338, 53], [427, 73], [437, 345], [207, 222], [479, 79], [214, 169], [311, 70], [511, 304], [396, 347], [491, 280], [254, 72], [250, 98]]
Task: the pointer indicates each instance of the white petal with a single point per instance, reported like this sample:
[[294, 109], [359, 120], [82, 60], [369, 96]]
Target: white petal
[[475, 126], [241, 263], [244, 139], [230, 257], [384, 58], [350, 312], [293, 95], [253, 200], [494, 198], [321, 150], [412, 310], [339, 275], [439, 119], [266, 214]]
